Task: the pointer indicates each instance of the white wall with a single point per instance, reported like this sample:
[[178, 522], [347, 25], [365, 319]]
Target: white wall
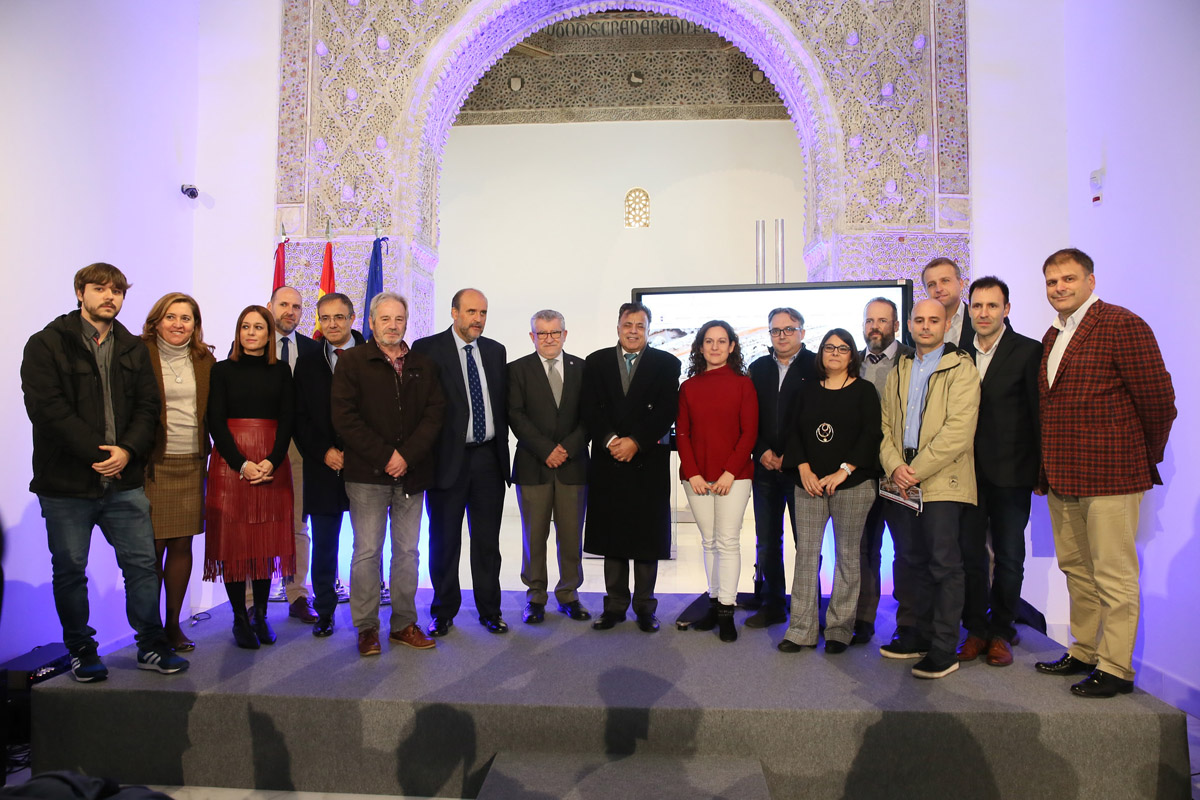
[[1133, 108], [533, 215], [103, 105]]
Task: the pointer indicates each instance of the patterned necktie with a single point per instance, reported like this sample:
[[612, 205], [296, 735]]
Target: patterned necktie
[[555, 380], [874, 358], [629, 357], [284, 351], [475, 389]]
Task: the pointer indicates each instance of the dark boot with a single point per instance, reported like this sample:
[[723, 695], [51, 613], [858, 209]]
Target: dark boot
[[709, 620], [243, 633], [726, 629], [262, 628]]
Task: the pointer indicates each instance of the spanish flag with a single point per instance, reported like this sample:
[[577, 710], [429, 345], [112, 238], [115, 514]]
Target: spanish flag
[[326, 286]]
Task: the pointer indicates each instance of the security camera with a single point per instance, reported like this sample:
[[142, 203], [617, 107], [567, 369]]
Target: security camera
[[190, 191]]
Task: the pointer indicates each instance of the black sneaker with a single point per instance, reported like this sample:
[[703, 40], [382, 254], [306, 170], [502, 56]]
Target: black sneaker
[[86, 666], [904, 647], [161, 658], [932, 666]]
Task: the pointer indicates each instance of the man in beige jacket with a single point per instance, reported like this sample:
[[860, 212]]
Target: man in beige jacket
[[930, 407]]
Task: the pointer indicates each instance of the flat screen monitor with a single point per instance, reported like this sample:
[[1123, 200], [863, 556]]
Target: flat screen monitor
[[678, 311]]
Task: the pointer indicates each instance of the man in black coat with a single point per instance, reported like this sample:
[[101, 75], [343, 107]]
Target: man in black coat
[[550, 465], [324, 492], [630, 399], [776, 377], [472, 462], [287, 307], [92, 397], [1007, 462]]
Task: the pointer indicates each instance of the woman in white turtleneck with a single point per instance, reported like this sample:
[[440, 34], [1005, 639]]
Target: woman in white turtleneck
[[175, 471]]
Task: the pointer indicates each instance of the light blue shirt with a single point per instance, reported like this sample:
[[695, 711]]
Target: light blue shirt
[[332, 356], [487, 400], [918, 383]]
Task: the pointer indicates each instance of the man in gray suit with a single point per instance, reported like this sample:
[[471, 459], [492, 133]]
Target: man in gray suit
[[881, 323], [550, 464]]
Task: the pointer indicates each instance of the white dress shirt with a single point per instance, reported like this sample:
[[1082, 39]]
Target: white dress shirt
[[984, 360], [293, 350], [954, 333], [487, 400], [1066, 329]]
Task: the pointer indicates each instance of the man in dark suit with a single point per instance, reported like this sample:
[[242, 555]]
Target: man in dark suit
[[287, 307], [1006, 470], [1107, 406], [630, 399], [944, 282], [324, 492], [550, 465], [881, 323], [472, 462], [776, 377]]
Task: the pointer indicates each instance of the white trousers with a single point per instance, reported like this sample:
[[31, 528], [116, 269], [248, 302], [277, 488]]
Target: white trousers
[[719, 518]]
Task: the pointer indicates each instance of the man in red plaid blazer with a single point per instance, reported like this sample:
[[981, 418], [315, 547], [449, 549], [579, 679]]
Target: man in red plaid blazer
[[1107, 405]]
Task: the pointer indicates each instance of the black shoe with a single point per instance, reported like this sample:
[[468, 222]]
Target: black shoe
[[607, 620], [1067, 665], [440, 626], [709, 620], [262, 628], [243, 634], [727, 631], [835, 647], [863, 631], [323, 627], [1102, 684], [905, 646], [574, 610], [494, 623], [534, 613], [647, 623], [788, 646], [935, 666], [767, 615]]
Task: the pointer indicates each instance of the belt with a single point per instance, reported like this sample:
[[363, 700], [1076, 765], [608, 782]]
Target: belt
[[909, 454]]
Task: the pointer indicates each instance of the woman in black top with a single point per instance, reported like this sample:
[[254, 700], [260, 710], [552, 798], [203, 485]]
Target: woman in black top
[[833, 454], [248, 508]]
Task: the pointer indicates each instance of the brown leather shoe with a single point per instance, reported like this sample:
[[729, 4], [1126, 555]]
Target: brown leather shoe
[[999, 653], [972, 648], [302, 609], [412, 636], [368, 642]]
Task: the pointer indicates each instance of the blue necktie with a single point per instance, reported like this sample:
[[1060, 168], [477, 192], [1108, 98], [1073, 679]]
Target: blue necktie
[[283, 353], [475, 388], [629, 357]]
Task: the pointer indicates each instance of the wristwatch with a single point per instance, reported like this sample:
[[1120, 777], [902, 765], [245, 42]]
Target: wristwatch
[[846, 467]]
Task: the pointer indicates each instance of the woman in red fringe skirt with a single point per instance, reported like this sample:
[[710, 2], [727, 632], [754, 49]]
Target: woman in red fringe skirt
[[248, 507]]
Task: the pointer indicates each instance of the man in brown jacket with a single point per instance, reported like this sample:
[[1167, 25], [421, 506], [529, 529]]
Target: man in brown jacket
[[387, 407]]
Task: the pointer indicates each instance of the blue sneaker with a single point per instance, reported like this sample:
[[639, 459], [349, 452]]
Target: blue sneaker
[[86, 666], [161, 658]]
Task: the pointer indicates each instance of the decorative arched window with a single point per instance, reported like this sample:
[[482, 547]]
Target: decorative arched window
[[637, 208]]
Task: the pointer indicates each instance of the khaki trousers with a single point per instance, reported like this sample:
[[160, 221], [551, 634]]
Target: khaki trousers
[[1094, 541]]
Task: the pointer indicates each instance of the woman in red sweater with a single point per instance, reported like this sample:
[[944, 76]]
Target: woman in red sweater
[[715, 432]]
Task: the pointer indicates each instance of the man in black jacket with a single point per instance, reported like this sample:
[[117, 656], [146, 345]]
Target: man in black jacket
[[91, 395], [324, 492], [776, 377]]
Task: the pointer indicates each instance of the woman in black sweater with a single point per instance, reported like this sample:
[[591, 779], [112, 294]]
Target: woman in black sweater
[[248, 508], [833, 453]]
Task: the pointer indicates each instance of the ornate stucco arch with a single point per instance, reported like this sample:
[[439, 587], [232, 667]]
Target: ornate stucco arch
[[461, 56]]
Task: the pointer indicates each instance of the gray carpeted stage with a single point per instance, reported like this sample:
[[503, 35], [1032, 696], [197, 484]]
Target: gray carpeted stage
[[560, 705]]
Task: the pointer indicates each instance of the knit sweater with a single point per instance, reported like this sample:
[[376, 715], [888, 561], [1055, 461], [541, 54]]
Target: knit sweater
[[717, 425]]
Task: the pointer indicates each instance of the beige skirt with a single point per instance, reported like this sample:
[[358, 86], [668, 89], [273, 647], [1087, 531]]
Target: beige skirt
[[176, 495]]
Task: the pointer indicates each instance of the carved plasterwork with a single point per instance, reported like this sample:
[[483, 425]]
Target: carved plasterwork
[[293, 102], [951, 69], [891, 255]]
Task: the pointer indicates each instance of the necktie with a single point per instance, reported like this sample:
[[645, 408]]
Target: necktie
[[874, 358], [555, 380], [475, 389], [284, 351], [337, 354], [629, 357]]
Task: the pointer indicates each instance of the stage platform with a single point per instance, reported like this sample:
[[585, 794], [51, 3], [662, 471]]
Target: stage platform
[[548, 702]]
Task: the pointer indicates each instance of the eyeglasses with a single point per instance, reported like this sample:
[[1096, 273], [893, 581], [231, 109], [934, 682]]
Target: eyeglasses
[[549, 336], [338, 318], [841, 349], [788, 331]]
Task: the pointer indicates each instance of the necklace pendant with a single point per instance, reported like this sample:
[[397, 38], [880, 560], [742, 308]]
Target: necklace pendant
[[178, 379]]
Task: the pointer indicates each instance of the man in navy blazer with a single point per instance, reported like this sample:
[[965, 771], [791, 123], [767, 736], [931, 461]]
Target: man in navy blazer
[[550, 464], [472, 462], [1007, 461]]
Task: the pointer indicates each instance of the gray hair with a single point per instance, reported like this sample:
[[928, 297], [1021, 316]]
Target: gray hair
[[385, 296], [547, 315]]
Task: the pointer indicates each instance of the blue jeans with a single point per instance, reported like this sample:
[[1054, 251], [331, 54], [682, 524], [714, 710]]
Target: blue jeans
[[124, 519], [774, 491]]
